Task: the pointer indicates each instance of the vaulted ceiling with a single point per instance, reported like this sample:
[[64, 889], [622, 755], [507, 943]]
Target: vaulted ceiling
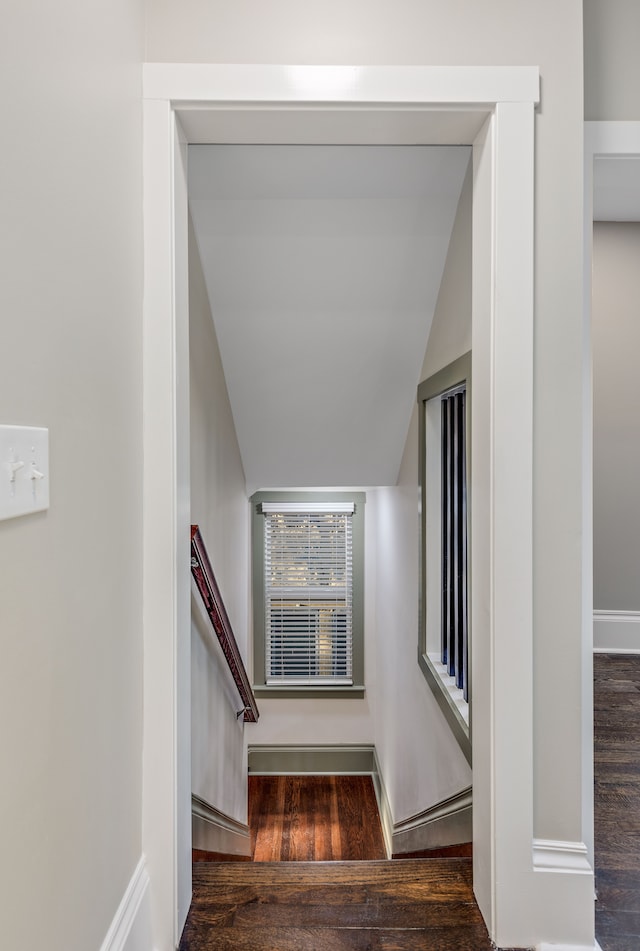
[[323, 265]]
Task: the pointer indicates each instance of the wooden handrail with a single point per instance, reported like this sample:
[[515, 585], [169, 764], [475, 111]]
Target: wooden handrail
[[208, 587]]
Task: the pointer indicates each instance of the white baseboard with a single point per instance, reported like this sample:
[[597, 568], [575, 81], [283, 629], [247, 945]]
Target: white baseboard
[[130, 929], [616, 632]]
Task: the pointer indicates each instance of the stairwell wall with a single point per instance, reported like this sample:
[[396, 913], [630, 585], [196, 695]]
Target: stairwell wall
[[420, 759], [219, 505]]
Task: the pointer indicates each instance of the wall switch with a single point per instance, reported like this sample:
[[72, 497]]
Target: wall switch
[[24, 470]]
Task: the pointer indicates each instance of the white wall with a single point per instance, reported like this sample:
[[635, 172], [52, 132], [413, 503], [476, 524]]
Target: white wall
[[420, 759], [70, 601], [611, 62], [220, 507], [616, 423]]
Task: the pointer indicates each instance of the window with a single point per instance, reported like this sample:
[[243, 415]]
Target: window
[[444, 646], [308, 593]]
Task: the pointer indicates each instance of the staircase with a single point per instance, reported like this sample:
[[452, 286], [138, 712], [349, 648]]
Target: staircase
[[405, 905]]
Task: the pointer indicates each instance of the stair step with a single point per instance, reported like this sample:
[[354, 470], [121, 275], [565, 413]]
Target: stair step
[[335, 906], [448, 873]]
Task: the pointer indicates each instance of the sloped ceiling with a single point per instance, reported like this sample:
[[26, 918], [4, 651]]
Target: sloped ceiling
[[323, 265]]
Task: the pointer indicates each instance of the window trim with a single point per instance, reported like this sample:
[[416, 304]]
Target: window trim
[[298, 691], [454, 374]]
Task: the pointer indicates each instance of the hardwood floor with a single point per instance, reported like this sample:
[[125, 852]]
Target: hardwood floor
[[617, 800], [314, 818], [325, 906]]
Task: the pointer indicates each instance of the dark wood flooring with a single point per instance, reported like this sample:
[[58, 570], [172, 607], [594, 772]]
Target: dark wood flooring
[[617, 800], [424, 904], [314, 818]]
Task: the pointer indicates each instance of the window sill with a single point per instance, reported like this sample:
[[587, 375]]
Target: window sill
[[449, 703], [297, 692]]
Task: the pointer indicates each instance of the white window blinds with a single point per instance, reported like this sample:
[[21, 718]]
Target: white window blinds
[[308, 593]]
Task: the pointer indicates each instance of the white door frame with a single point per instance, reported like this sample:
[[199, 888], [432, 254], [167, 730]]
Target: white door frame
[[187, 102], [601, 140]]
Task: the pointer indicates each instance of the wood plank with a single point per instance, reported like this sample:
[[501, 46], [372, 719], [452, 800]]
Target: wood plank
[[463, 938], [432, 872], [292, 912], [322, 818]]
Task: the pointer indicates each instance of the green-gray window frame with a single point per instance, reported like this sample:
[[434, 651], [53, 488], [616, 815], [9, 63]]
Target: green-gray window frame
[[333, 691], [455, 374]]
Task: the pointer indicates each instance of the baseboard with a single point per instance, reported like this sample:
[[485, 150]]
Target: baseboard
[[130, 929], [213, 831], [384, 807], [616, 632], [448, 822], [289, 760]]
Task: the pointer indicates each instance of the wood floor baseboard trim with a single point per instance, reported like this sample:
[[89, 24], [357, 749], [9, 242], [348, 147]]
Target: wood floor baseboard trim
[[214, 831], [291, 760], [447, 823], [130, 929]]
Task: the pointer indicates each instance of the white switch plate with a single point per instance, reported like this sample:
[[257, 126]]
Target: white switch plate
[[24, 470]]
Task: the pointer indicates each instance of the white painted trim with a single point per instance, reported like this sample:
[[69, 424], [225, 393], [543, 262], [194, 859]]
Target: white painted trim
[[600, 139], [130, 929], [616, 632], [166, 576], [228, 84], [552, 855]]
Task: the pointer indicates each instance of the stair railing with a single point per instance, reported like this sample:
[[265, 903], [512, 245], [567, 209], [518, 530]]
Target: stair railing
[[210, 593]]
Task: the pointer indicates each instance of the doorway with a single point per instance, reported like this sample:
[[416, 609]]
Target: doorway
[[492, 110]]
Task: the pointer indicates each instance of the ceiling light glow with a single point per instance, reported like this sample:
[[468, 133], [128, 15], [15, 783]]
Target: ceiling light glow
[[323, 82]]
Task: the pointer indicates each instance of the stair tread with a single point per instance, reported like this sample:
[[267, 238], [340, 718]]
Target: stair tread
[[293, 911], [335, 906]]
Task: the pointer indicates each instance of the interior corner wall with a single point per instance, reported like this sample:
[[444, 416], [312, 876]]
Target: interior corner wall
[[219, 505], [611, 62], [71, 360], [421, 766], [616, 423]]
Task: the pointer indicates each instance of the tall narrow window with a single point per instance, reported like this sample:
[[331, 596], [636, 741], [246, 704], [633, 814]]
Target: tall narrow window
[[308, 601], [454, 646], [444, 646]]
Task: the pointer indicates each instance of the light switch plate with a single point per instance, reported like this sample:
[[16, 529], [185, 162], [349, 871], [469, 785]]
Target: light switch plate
[[24, 470]]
